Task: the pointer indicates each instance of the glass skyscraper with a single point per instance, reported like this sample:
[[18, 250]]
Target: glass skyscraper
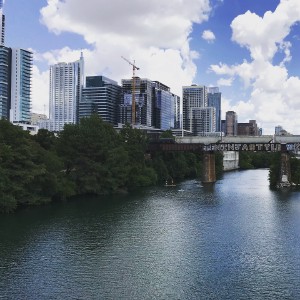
[[214, 100], [5, 81], [101, 96], [21, 75], [164, 106]]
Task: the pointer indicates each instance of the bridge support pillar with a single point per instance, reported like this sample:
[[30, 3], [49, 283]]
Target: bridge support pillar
[[285, 171], [209, 169]]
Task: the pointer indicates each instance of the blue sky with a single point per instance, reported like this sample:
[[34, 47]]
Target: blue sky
[[248, 48]]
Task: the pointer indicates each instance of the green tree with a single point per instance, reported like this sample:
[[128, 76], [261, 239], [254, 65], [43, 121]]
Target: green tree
[[23, 167], [93, 155], [135, 144]]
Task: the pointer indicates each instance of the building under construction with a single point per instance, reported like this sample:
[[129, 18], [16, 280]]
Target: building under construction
[[155, 105], [143, 101]]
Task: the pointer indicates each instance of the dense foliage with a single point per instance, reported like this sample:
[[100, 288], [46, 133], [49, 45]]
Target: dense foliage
[[256, 160], [86, 158]]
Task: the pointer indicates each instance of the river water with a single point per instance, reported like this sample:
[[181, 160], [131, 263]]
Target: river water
[[235, 240]]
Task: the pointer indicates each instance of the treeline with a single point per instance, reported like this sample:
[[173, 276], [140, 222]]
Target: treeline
[[256, 160], [86, 158]]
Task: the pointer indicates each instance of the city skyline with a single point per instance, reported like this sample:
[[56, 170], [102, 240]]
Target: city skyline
[[246, 48]]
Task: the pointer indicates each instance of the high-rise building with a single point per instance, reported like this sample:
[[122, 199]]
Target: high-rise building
[[178, 113], [214, 100], [21, 73], [278, 129], [231, 123], [203, 120], [102, 96], [66, 83], [194, 96], [143, 101], [165, 107], [2, 24], [5, 82]]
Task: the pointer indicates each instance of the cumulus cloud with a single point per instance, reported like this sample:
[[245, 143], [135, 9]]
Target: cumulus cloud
[[156, 36], [39, 88], [275, 96], [209, 36], [225, 82]]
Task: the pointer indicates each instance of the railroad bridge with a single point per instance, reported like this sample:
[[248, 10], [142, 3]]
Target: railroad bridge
[[209, 145]]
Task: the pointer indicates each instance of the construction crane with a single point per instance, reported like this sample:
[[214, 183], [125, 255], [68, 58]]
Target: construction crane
[[134, 67]]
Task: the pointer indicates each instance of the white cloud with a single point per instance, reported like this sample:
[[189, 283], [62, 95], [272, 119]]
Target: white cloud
[[225, 82], [39, 87], [275, 96], [156, 36], [209, 36]]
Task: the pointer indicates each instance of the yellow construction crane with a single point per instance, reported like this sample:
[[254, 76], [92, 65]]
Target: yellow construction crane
[[134, 67]]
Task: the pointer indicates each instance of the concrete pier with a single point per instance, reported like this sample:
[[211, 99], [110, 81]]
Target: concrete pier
[[209, 169], [285, 171]]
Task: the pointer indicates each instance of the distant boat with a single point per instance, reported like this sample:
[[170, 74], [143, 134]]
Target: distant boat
[[170, 183]]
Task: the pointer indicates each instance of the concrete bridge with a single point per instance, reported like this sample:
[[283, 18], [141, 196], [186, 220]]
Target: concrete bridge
[[208, 145]]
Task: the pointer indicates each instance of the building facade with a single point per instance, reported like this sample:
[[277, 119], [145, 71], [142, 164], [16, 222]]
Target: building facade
[[231, 123], [2, 24], [21, 77], [101, 96], [250, 128], [193, 97], [165, 107], [143, 101], [203, 120], [5, 82], [214, 100], [66, 83]]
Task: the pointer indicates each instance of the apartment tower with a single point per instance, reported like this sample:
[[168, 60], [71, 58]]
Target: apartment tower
[[66, 83], [2, 24], [193, 97], [21, 77]]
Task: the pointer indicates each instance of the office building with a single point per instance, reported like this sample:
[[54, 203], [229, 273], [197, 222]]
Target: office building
[[21, 75], [5, 82], [214, 100], [66, 83], [231, 123], [101, 96], [166, 113]]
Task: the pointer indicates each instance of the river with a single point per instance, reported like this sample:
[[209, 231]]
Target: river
[[235, 240]]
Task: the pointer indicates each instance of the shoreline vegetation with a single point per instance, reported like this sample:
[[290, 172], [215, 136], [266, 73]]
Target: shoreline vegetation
[[91, 158]]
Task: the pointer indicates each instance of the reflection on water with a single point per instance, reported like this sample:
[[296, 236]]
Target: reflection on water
[[234, 240]]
